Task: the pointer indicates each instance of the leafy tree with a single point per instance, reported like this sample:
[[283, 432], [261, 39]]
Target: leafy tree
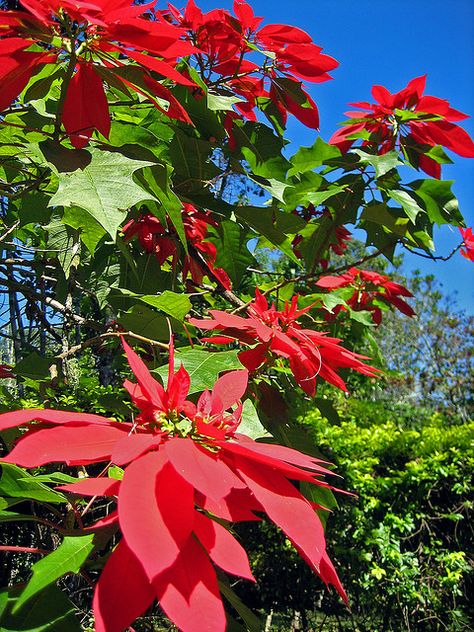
[[127, 135]]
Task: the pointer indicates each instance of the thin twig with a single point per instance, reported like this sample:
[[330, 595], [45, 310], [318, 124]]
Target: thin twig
[[98, 340]]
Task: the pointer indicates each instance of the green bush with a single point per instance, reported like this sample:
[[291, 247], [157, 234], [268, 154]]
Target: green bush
[[403, 544]]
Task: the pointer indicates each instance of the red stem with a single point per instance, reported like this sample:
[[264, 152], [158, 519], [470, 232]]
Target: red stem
[[24, 549]]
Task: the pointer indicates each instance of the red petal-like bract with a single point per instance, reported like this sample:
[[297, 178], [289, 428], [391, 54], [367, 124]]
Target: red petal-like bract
[[156, 510], [310, 353], [200, 468], [282, 503], [122, 593], [85, 107], [222, 547], [189, 593], [74, 445]]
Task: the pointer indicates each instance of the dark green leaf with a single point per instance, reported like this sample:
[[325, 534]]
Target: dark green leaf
[[440, 202], [49, 611], [261, 148], [17, 483], [232, 252], [34, 367]]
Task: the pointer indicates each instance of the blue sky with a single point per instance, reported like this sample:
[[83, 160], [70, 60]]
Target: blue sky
[[389, 42]]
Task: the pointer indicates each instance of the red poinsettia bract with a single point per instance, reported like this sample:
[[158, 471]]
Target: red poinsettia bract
[[468, 237], [187, 472], [409, 121], [94, 37], [278, 333], [162, 241], [368, 286]]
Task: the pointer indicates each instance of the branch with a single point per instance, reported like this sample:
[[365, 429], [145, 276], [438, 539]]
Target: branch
[[24, 549], [98, 340], [432, 257], [51, 302], [10, 230]]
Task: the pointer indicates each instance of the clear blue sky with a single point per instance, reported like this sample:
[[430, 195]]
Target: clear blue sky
[[389, 42]]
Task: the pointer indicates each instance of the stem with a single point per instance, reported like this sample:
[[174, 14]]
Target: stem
[[24, 549], [64, 88]]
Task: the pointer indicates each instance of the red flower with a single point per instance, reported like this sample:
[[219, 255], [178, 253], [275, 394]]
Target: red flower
[[163, 242], [95, 33], [468, 238], [369, 286], [410, 122], [277, 333], [187, 470]]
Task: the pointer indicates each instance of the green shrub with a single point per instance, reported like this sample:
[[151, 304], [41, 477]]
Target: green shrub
[[403, 544]]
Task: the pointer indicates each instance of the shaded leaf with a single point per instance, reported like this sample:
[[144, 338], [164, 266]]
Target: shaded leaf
[[49, 611]]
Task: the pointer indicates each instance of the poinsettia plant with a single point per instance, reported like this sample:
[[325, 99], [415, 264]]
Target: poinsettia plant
[[144, 188]]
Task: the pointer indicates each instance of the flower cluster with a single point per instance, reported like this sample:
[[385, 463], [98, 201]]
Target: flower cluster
[[187, 471], [369, 288], [468, 237], [407, 121], [98, 41], [223, 41], [163, 242], [92, 39], [278, 333]]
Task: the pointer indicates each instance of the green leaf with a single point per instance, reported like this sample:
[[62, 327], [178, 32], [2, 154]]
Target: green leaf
[[61, 158], [90, 231], [67, 558], [261, 148], [63, 242], [382, 164], [252, 622], [116, 472], [49, 611], [327, 409], [218, 102], [263, 220], [146, 322], [157, 179], [382, 214], [34, 367], [176, 305], [408, 203], [232, 252], [251, 424], [17, 483], [307, 158], [104, 188], [203, 367], [190, 158], [440, 202]]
